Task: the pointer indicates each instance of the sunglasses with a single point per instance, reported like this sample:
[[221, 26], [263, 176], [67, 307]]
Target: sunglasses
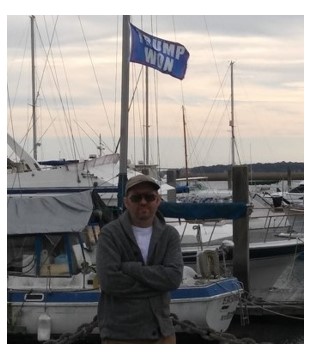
[[136, 198]]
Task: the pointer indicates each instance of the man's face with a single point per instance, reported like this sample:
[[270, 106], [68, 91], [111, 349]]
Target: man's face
[[142, 202]]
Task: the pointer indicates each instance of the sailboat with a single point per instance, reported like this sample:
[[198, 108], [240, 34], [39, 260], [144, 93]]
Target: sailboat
[[27, 177], [276, 238], [292, 198], [52, 282]]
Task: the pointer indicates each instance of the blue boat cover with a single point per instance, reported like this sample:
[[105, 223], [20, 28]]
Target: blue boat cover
[[182, 189], [202, 211]]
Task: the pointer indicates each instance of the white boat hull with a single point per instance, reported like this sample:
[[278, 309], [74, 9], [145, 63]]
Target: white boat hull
[[207, 305], [215, 313], [65, 317]]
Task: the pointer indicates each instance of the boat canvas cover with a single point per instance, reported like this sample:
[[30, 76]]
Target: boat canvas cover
[[49, 214], [196, 211]]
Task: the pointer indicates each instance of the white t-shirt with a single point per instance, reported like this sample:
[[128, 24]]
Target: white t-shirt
[[143, 238]]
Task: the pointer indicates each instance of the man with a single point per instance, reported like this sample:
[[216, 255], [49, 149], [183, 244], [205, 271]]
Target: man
[[139, 261]]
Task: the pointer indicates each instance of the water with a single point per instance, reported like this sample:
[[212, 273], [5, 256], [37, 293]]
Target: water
[[270, 329]]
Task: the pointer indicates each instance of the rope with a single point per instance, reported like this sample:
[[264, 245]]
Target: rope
[[209, 334], [248, 301], [186, 325]]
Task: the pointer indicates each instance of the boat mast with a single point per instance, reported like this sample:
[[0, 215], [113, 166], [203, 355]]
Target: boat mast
[[124, 110], [185, 147], [100, 146], [146, 119], [232, 116], [33, 85]]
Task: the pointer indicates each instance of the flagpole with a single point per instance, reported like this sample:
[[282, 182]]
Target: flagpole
[[146, 119], [232, 115], [124, 110]]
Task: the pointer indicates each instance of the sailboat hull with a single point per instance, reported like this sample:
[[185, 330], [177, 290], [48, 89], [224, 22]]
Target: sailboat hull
[[211, 304]]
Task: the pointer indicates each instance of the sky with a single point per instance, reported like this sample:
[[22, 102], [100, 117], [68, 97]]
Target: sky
[[85, 57]]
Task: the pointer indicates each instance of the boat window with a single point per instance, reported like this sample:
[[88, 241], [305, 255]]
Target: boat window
[[21, 255], [56, 257], [44, 255]]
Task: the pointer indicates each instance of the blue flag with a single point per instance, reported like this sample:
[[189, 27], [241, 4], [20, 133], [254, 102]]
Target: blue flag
[[165, 56]]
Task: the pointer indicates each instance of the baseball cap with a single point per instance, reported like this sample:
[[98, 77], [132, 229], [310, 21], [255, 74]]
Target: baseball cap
[[141, 178]]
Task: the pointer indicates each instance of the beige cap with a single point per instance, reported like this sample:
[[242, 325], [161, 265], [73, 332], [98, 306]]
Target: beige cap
[[141, 178]]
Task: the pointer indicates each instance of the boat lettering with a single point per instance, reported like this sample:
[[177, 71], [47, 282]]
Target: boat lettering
[[230, 299], [227, 316]]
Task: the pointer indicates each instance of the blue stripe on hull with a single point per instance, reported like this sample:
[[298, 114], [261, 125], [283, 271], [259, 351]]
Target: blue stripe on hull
[[202, 291], [56, 297], [212, 290]]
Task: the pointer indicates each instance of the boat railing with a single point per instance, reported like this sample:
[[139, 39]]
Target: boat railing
[[263, 225], [270, 222]]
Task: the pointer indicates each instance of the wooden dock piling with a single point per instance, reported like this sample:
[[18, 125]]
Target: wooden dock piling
[[241, 227]]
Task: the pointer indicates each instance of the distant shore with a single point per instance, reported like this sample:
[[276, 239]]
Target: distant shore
[[266, 172], [255, 176]]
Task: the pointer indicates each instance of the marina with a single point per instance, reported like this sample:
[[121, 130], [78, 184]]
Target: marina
[[282, 295], [243, 254]]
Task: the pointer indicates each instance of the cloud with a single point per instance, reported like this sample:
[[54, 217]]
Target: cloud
[[84, 71]]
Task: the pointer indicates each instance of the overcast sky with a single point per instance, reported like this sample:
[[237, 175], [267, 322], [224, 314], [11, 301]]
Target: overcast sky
[[268, 56]]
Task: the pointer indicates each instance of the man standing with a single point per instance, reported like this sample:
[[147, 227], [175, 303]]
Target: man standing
[[139, 261]]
